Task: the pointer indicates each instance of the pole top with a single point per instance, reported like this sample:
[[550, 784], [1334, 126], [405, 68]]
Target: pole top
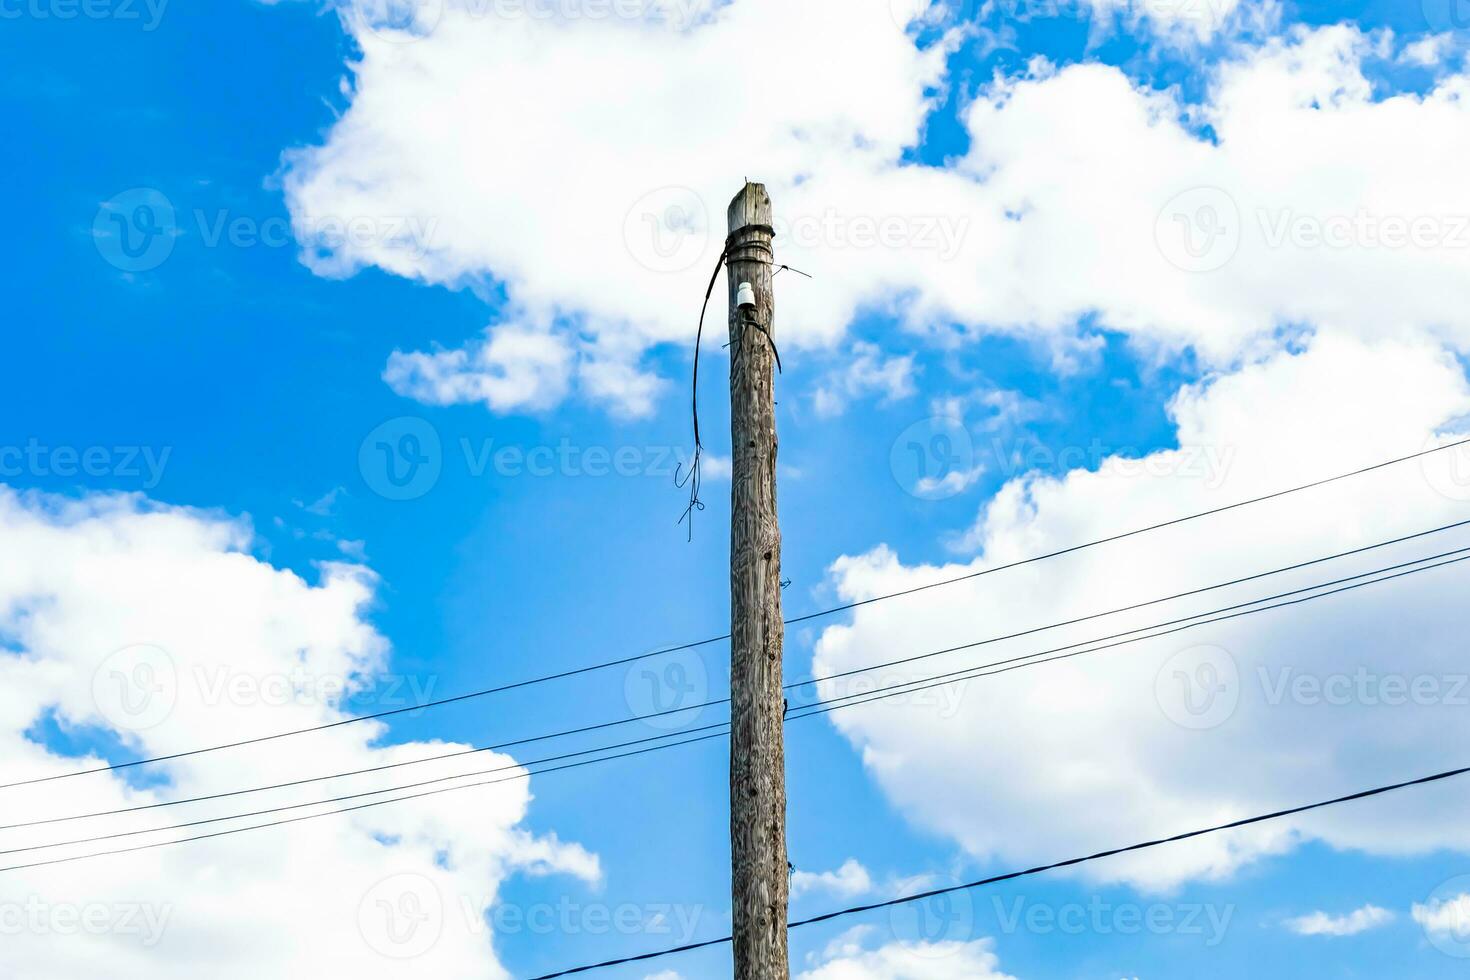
[[752, 206]]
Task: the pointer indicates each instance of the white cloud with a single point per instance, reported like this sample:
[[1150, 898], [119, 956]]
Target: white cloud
[[1429, 52], [1110, 734], [323, 506], [1178, 23], [158, 627], [848, 881], [851, 942], [913, 961], [951, 484], [715, 467], [1323, 924], [1446, 918], [865, 372], [598, 203], [514, 368], [571, 198], [1181, 20]]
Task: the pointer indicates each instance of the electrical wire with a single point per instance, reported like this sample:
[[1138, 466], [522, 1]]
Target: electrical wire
[[1140, 605], [899, 690], [1072, 549], [1029, 872], [827, 706], [795, 686], [360, 806]]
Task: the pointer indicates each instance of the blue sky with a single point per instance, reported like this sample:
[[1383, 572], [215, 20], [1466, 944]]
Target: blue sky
[[255, 384]]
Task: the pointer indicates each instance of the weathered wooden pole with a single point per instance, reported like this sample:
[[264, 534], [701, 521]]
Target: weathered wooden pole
[[757, 744]]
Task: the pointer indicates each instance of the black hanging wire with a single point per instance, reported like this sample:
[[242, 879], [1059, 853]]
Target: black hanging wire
[[692, 478]]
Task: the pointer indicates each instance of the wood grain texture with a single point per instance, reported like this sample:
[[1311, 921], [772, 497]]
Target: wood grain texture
[[757, 744]]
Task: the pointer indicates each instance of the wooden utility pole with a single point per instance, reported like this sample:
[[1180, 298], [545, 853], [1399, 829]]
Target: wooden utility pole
[[757, 708]]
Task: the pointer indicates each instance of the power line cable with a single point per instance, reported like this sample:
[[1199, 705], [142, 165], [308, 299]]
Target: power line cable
[[378, 792], [1141, 605], [499, 746], [1013, 875], [898, 690], [828, 706], [360, 806], [1126, 534], [1072, 549], [941, 678]]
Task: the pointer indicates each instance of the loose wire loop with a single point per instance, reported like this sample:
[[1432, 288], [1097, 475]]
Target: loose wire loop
[[691, 477]]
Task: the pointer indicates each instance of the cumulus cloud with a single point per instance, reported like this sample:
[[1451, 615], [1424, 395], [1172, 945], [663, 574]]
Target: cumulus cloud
[[848, 881], [155, 629], [1293, 194], [599, 202], [949, 960], [1325, 924], [514, 368], [1431, 51], [1190, 21], [1445, 918], [865, 372], [1216, 723]]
